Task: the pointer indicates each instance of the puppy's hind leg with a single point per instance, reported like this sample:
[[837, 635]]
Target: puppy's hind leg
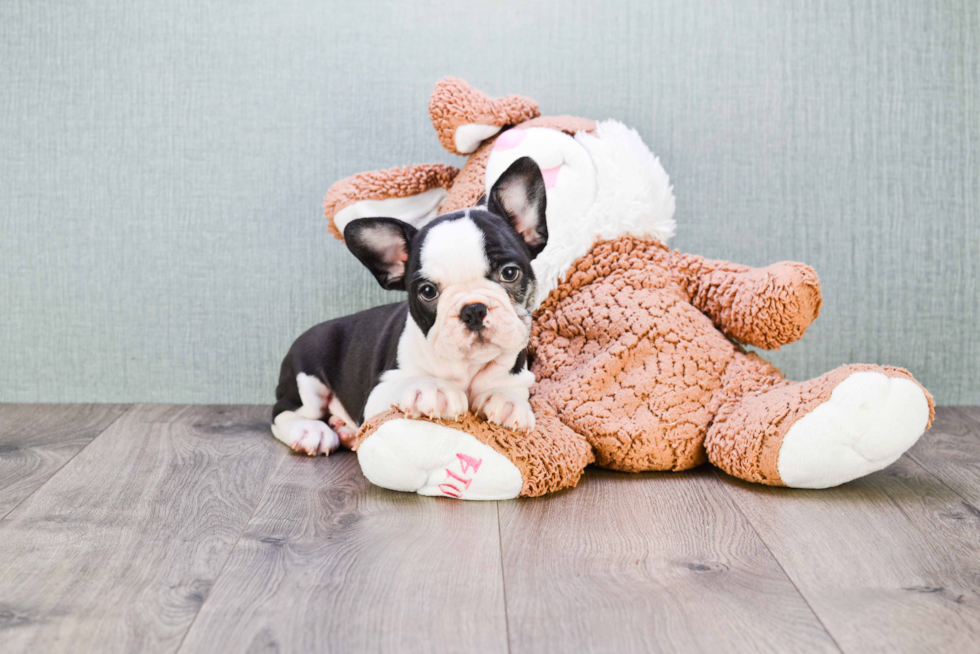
[[303, 428]]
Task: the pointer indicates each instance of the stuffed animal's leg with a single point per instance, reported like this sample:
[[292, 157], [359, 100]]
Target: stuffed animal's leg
[[469, 459], [824, 432]]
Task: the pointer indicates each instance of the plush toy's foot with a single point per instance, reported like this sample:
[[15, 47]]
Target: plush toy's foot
[[824, 432], [430, 459], [470, 459], [869, 421]]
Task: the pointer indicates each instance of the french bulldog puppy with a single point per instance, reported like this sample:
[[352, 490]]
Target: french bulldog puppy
[[457, 343]]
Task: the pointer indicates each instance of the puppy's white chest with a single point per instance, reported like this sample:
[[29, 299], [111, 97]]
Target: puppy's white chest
[[425, 384]]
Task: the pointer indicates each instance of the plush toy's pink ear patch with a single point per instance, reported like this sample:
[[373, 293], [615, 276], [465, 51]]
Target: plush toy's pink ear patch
[[550, 176], [509, 139], [455, 104]]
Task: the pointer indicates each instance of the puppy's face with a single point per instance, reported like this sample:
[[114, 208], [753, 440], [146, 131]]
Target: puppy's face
[[468, 274], [470, 285]]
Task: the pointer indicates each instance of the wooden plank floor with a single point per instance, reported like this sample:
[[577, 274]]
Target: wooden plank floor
[[189, 529]]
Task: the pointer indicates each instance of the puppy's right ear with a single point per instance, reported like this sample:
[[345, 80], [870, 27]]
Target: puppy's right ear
[[520, 196], [382, 245]]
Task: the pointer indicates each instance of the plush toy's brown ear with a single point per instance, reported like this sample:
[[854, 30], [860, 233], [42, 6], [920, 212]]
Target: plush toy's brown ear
[[464, 117], [412, 194]]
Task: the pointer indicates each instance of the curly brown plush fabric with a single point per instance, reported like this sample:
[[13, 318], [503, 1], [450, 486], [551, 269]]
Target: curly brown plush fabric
[[624, 354], [629, 362], [469, 185], [765, 307], [569, 124], [636, 352], [383, 185], [632, 375], [454, 103]]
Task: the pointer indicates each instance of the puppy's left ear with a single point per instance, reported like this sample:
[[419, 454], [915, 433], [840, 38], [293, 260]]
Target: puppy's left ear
[[520, 196], [382, 245]]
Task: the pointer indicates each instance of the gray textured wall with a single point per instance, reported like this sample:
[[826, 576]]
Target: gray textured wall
[[162, 167]]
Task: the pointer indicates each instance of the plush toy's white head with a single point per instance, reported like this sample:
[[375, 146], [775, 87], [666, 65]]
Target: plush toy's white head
[[602, 180], [599, 186]]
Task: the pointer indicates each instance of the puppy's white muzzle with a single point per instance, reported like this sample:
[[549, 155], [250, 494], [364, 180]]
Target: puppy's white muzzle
[[476, 322]]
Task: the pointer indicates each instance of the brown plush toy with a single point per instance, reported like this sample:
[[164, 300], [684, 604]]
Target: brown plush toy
[[634, 346]]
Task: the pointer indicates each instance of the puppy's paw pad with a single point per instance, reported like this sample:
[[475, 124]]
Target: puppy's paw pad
[[510, 412], [344, 432], [312, 437], [346, 435], [520, 419]]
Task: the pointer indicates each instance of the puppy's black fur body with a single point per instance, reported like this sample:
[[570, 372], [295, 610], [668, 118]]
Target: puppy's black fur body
[[348, 355]]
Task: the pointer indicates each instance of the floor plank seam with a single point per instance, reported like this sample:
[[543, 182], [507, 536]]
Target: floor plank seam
[[282, 458], [67, 461], [75, 546], [963, 414], [776, 559], [922, 466], [503, 575]]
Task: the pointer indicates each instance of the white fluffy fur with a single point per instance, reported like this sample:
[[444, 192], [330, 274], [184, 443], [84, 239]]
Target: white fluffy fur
[[633, 196]]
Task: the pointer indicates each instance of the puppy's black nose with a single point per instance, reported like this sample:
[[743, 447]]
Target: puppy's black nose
[[472, 316]]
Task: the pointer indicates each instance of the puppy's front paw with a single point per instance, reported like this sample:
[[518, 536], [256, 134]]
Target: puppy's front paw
[[312, 437], [433, 398], [505, 409]]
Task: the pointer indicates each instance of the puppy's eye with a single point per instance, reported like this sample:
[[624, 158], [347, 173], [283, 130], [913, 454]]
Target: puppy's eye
[[510, 274], [428, 292]]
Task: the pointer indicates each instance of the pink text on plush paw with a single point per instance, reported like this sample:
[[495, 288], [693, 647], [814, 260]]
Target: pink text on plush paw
[[466, 464]]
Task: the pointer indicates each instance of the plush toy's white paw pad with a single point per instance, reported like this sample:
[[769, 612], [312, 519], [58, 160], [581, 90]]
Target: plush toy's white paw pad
[[312, 437], [433, 398], [421, 457], [869, 421]]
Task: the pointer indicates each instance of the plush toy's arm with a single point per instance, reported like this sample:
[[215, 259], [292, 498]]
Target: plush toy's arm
[[764, 307], [411, 193]]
